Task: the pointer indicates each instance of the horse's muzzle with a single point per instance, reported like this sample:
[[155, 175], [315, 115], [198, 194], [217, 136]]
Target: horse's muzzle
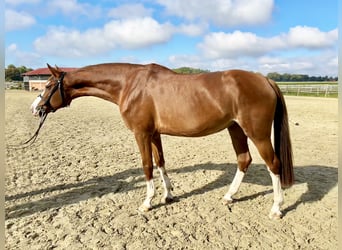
[[34, 106]]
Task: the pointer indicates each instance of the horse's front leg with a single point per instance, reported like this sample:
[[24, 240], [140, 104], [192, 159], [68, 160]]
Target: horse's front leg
[[144, 144], [158, 155]]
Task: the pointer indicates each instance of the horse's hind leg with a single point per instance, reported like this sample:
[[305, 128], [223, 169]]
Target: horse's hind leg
[[157, 150], [239, 140], [267, 153]]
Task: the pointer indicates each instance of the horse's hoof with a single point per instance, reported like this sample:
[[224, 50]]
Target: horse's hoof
[[166, 200], [275, 215], [144, 209], [227, 201]]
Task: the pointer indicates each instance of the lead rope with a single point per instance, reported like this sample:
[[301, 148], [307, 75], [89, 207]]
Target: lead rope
[[30, 141]]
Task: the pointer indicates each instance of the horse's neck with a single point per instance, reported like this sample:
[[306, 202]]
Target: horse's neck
[[97, 82]]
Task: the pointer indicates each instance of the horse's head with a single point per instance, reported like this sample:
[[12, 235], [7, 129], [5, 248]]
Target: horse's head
[[53, 97]]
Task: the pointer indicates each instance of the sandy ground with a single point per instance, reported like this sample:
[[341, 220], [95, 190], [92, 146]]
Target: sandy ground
[[79, 186]]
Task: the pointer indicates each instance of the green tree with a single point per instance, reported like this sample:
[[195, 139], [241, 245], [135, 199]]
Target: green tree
[[274, 76], [189, 70], [12, 73]]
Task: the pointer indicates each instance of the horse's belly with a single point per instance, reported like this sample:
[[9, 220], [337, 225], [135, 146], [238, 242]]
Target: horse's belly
[[193, 126]]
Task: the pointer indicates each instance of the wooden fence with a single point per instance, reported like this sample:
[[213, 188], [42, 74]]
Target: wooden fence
[[325, 90]]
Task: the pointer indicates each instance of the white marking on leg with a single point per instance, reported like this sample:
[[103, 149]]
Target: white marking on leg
[[167, 185], [147, 205], [278, 196], [234, 186]]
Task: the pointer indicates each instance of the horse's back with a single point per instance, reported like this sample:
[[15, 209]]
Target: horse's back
[[201, 104], [195, 104]]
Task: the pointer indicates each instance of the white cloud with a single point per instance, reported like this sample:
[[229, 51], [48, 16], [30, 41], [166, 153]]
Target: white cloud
[[73, 8], [18, 2], [19, 57], [71, 43], [283, 65], [221, 12], [322, 64], [12, 47], [130, 11], [133, 33], [311, 37], [194, 61], [15, 20], [127, 34], [137, 33], [191, 29], [240, 44], [222, 45]]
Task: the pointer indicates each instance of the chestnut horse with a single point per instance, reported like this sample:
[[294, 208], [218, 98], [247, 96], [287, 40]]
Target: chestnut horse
[[154, 100]]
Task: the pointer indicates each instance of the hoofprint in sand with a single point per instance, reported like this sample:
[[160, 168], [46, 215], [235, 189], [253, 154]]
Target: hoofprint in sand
[[79, 186]]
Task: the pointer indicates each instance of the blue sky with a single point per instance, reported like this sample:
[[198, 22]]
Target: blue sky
[[288, 36]]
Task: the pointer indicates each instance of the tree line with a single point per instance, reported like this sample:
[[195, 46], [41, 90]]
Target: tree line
[[286, 77], [13, 73], [299, 78], [189, 70]]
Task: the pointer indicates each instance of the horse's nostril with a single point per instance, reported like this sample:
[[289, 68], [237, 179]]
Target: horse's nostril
[[41, 112]]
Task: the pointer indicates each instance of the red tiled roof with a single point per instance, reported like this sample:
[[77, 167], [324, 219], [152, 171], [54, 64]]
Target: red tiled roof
[[45, 71]]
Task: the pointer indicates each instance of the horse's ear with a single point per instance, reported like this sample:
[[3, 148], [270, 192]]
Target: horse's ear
[[57, 68], [54, 71]]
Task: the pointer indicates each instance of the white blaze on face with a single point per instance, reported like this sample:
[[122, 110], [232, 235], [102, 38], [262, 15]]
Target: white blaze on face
[[35, 104], [37, 100]]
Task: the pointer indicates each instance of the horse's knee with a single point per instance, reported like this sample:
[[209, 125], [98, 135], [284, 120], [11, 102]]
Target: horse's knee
[[244, 160]]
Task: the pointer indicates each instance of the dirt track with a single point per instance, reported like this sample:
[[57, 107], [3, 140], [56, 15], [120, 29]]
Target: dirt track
[[79, 185]]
